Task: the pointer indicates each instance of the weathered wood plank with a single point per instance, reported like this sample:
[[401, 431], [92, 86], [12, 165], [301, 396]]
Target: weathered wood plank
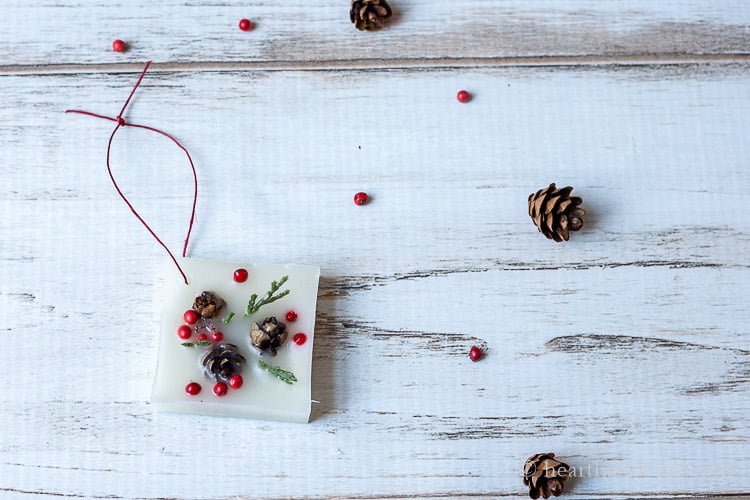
[[625, 350], [81, 31]]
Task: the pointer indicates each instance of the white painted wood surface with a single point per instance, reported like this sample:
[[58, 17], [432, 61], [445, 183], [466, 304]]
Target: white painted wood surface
[[624, 350], [81, 31]]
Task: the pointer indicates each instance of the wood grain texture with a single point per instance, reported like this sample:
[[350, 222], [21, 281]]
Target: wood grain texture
[[624, 351], [40, 32]]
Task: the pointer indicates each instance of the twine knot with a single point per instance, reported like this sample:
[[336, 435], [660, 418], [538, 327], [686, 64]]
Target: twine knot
[[121, 123]]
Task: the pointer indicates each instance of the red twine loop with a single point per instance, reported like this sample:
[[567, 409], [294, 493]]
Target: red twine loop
[[121, 123]]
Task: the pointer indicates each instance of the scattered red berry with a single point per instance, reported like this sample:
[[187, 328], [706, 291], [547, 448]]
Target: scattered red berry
[[360, 198], [220, 389], [463, 96], [235, 381], [217, 336], [193, 388], [240, 275], [202, 337], [291, 316], [118, 46], [184, 332], [246, 24], [299, 338], [475, 353], [190, 317]]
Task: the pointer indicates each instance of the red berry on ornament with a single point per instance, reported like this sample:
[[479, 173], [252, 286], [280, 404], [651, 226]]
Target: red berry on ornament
[[184, 332], [463, 96], [202, 337], [235, 381], [217, 337], [246, 24], [190, 317], [291, 316], [475, 353], [360, 198], [220, 389], [193, 388], [240, 275], [299, 338], [118, 46]]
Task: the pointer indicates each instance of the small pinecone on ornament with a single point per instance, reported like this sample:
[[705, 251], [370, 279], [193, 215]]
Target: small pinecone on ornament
[[269, 335], [555, 213], [369, 14], [544, 475], [222, 362], [208, 305]]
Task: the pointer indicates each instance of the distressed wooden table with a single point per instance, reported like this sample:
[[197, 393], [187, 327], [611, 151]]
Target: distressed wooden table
[[625, 351]]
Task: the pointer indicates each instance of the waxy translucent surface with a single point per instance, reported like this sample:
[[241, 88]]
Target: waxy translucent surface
[[262, 395]]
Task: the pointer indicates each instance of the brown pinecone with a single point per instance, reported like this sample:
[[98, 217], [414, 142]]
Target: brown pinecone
[[555, 212], [369, 14], [544, 475], [207, 305], [223, 361], [269, 336]]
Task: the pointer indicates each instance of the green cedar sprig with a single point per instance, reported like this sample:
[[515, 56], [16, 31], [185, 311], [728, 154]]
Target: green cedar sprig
[[227, 318], [200, 343], [255, 304], [278, 372]]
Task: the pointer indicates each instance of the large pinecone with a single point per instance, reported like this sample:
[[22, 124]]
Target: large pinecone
[[268, 336], [544, 475], [369, 14], [223, 361], [555, 212]]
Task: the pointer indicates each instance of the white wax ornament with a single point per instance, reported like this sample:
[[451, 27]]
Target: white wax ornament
[[262, 395]]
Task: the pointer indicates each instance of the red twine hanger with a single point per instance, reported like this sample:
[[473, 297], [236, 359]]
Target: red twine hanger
[[122, 123]]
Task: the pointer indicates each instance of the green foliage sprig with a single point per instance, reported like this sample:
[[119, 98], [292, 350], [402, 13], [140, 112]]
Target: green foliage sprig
[[200, 343], [255, 304], [278, 372]]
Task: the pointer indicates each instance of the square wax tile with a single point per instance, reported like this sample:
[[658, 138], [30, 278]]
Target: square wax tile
[[229, 349]]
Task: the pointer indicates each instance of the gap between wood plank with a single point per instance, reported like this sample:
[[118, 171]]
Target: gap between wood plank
[[379, 64]]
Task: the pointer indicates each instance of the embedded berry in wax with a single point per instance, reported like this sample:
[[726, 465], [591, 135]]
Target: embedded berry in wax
[[240, 275], [184, 332], [235, 381], [193, 388]]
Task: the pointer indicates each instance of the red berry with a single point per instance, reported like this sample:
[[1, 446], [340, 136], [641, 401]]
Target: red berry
[[217, 337], [184, 332], [190, 317], [360, 198], [299, 338], [463, 96], [246, 24], [235, 381], [220, 389], [475, 353], [202, 337], [291, 316], [193, 388], [118, 46], [240, 275]]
